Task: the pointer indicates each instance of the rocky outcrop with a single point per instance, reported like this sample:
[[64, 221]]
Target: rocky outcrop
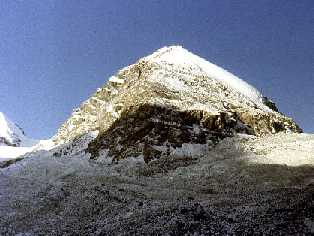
[[268, 102], [141, 128], [147, 128], [4, 141]]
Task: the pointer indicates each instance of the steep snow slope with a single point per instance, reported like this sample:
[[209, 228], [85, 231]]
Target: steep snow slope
[[178, 56], [13, 142], [12, 135]]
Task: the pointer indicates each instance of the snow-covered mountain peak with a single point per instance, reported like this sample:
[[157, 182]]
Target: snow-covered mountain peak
[[12, 135], [174, 87], [163, 133], [180, 57]]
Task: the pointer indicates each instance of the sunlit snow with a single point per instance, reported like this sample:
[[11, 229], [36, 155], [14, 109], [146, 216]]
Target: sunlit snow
[[14, 135], [176, 55]]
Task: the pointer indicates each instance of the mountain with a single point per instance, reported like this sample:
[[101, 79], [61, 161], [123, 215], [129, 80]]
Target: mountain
[[171, 145], [169, 99], [12, 135], [13, 142]]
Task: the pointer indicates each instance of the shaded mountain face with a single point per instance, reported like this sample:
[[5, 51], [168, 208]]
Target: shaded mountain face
[[170, 100]]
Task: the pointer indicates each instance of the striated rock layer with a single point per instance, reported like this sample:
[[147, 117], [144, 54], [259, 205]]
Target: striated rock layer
[[169, 99]]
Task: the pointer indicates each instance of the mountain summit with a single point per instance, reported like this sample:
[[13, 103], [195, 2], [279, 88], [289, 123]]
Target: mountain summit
[[180, 57], [12, 135], [171, 145], [13, 142], [171, 98]]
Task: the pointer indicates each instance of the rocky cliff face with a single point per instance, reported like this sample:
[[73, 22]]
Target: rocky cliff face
[[169, 99]]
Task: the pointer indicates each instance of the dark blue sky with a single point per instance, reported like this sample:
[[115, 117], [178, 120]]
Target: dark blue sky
[[55, 54]]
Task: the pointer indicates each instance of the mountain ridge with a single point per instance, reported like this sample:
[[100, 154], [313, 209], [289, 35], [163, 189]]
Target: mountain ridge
[[165, 149], [168, 79], [13, 135], [178, 55]]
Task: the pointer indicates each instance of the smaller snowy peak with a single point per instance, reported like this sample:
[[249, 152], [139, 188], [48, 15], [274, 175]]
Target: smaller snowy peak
[[178, 56], [12, 135]]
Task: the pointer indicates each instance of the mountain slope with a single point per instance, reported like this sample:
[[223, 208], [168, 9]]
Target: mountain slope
[[172, 145], [13, 135], [180, 57], [173, 98], [13, 142], [244, 185]]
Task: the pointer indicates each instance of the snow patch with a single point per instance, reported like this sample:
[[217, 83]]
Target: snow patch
[[191, 150], [115, 79], [8, 152]]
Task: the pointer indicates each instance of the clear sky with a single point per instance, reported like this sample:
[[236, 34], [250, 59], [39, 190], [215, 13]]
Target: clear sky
[[55, 54]]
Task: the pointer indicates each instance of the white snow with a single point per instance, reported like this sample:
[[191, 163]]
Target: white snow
[[45, 166], [191, 150], [115, 79], [45, 144], [283, 149], [176, 55], [187, 150], [8, 152], [13, 134], [174, 84]]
